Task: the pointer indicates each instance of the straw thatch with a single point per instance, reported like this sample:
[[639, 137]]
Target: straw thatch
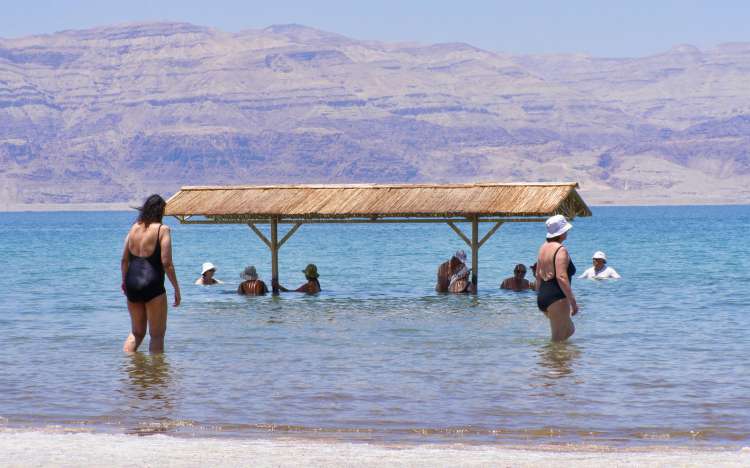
[[377, 201]]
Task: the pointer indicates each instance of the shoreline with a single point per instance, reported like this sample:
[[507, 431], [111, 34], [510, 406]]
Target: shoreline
[[58, 447], [79, 207]]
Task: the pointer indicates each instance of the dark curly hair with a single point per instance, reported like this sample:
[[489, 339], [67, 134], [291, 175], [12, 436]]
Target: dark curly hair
[[152, 210]]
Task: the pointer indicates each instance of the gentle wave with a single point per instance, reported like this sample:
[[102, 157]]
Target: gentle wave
[[378, 355]]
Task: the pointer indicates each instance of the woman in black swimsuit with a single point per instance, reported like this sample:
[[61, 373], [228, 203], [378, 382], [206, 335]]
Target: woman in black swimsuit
[[146, 257], [553, 274]]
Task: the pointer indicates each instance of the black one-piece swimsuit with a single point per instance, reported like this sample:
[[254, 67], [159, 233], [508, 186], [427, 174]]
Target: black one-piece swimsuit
[[145, 277], [549, 291]]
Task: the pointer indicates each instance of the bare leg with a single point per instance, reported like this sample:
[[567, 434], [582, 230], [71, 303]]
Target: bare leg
[[137, 326], [156, 311], [560, 322]]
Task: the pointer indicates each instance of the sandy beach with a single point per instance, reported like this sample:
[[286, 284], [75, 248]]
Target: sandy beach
[[86, 449]]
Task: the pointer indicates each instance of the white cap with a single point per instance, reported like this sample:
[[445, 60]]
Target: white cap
[[557, 226], [207, 266], [599, 254]]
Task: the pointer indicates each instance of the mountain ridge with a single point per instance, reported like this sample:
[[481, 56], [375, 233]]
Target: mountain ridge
[[109, 114]]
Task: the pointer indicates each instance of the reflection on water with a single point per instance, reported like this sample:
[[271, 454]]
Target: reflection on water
[[557, 359], [148, 385]]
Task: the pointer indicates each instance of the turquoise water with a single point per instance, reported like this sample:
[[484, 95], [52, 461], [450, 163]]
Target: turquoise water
[[659, 357]]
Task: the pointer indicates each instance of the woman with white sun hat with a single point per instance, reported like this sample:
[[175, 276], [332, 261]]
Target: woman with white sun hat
[[600, 270], [553, 274], [207, 275]]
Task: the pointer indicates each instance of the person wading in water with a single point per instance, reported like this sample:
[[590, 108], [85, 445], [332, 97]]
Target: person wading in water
[[553, 274], [146, 257]]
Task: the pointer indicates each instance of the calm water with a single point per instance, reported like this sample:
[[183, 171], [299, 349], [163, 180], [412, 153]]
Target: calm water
[[660, 357]]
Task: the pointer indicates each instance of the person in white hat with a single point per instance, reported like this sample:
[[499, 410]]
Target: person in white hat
[[553, 274], [207, 275], [600, 270]]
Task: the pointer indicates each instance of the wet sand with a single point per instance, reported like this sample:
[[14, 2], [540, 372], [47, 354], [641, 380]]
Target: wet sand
[[38, 448]]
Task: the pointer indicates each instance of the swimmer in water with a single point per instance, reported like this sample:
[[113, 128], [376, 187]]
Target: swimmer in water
[[312, 286], [207, 275], [251, 285], [600, 270], [518, 281]]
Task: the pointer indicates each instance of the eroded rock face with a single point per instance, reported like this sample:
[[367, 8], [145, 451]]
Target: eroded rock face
[[111, 114]]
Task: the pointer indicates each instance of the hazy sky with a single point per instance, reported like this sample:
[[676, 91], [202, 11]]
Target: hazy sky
[[602, 27]]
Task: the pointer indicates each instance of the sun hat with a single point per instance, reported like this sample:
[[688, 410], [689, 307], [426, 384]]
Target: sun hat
[[461, 255], [250, 273], [600, 255], [557, 226], [311, 271], [207, 267]]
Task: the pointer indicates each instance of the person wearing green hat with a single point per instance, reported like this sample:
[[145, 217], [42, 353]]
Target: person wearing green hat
[[311, 287]]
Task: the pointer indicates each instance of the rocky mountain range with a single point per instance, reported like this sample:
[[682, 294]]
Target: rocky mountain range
[[114, 113]]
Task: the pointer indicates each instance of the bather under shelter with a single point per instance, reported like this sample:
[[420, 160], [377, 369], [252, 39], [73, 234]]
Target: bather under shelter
[[458, 205]]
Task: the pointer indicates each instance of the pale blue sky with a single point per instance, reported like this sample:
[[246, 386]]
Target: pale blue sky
[[602, 28]]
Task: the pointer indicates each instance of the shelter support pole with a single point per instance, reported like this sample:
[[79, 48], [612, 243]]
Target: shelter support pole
[[289, 234], [490, 233], [260, 234], [460, 233], [274, 245], [475, 252]]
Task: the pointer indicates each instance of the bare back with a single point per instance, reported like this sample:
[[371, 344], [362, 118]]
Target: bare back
[[253, 288], [443, 277], [545, 270], [142, 239]]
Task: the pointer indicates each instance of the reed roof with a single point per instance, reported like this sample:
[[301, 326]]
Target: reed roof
[[378, 201]]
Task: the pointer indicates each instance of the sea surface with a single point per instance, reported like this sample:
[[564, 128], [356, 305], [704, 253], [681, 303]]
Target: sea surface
[[658, 358]]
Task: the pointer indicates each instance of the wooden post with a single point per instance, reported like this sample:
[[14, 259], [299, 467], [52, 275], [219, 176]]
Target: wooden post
[[274, 254], [475, 252]]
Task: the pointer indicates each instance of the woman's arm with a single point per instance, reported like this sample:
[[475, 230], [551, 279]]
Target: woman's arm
[[125, 262], [587, 274], [166, 260], [277, 287], [561, 266]]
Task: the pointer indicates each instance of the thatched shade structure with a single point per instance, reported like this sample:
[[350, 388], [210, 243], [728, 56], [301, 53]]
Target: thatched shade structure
[[376, 203], [348, 201]]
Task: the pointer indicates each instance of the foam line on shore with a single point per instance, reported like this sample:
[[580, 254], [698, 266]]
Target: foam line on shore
[[46, 448]]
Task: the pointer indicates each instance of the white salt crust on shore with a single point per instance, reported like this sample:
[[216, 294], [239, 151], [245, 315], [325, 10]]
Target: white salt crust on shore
[[21, 449]]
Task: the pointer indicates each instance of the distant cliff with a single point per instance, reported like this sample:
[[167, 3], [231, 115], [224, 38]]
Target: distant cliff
[[113, 113]]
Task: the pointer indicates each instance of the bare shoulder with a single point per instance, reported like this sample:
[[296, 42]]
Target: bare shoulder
[[165, 232]]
